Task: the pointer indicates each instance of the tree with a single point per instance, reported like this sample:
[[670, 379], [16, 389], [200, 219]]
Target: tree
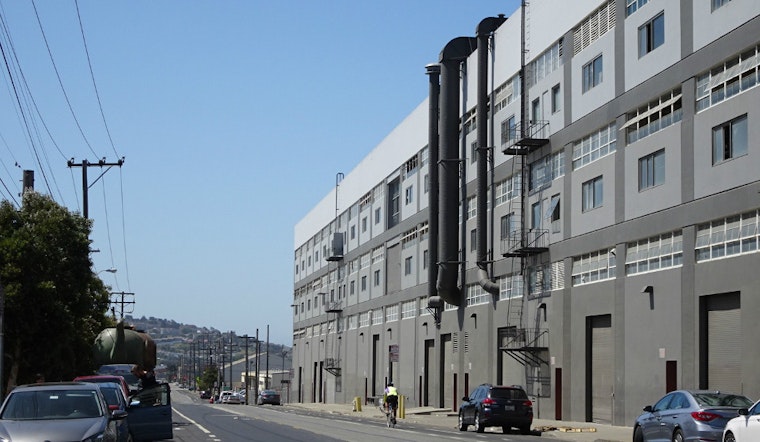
[[54, 304], [208, 378]]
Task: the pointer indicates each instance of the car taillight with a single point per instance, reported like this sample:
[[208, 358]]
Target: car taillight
[[704, 416], [488, 401], [527, 404]]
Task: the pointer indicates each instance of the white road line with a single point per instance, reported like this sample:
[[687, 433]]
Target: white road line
[[192, 421]]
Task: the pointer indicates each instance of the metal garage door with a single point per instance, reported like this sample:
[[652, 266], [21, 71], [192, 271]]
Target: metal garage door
[[723, 335], [601, 368]]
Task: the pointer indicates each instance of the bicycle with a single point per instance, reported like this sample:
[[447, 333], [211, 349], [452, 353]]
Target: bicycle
[[390, 413]]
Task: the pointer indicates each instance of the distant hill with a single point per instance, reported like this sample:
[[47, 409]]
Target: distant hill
[[175, 340]]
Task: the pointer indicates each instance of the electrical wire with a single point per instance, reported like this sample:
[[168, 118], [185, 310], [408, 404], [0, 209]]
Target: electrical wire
[[92, 76], [60, 82]]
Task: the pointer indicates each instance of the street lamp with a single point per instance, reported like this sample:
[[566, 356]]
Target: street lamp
[[111, 270]]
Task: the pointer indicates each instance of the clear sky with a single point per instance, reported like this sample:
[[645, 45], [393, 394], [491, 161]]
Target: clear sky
[[233, 118]]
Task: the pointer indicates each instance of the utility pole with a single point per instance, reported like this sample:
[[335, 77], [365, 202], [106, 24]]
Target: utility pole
[[123, 301], [85, 185], [266, 380], [247, 369], [257, 364]]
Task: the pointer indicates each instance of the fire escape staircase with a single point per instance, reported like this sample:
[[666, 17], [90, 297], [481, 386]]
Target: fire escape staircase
[[334, 310]]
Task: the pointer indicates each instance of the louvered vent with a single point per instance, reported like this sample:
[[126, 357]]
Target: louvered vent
[[455, 342], [594, 26]]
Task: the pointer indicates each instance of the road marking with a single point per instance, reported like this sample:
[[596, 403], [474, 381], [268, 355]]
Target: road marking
[[192, 421]]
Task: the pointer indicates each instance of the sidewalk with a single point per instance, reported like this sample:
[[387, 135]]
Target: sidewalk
[[444, 418]]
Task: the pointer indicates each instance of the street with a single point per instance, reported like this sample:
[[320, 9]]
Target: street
[[197, 420]]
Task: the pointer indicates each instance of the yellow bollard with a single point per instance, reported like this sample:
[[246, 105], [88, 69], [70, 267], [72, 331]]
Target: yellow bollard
[[358, 404], [401, 407]]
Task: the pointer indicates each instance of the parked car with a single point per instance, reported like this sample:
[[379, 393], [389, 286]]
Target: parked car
[[688, 415], [234, 398], [123, 370], [745, 427], [224, 396], [113, 393], [496, 406], [106, 378], [205, 394], [268, 397], [58, 411]]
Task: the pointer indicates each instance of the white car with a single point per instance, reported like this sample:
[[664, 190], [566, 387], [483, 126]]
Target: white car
[[745, 427]]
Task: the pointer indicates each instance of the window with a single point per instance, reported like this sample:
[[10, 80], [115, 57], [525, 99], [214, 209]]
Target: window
[[424, 259], [632, 5], [507, 226], [377, 215], [391, 313], [473, 239], [364, 224], [547, 169], [556, 103], [535, 219], [592, 74], [718, 3], [553, 213], [393, 212], [409, 195], [653, 116], [476, 295], [426, 183], [592, 147], [655, 253], [353, 232], [592, 194], [364, 283], [508, 130], [473, 152], [652, 170], [408, 309], [594, 267], [545, 64], [727, 79], [651, 35], [511, 287], [377, 278], [508, 189], [730, 140], [408, 266], [734, 235], [535, 110], [352, 286]]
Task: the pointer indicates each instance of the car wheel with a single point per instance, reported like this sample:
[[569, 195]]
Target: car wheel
[[678, 436], [478, 428], [638, 436], [524, 429], [462, 426], [729, 437]]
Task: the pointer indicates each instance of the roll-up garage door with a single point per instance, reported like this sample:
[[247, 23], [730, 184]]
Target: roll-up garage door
[[723, 357], [602, 372]]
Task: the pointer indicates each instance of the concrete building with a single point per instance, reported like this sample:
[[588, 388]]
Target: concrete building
[[590, 228]]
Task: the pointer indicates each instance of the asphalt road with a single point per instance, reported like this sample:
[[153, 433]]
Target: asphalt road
[[199, 421]]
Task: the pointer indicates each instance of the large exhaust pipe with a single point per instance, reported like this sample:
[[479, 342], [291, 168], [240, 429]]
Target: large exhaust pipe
[[484, 31], [451, 58], [434, 76]]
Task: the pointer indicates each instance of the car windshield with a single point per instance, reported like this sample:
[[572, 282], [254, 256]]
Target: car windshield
[[717, 399], [52, 404], [508, 393]]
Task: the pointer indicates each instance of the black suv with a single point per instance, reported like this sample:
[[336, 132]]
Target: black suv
[[496, 406]]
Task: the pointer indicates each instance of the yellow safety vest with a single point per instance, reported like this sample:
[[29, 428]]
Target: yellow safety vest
[[392, 391]]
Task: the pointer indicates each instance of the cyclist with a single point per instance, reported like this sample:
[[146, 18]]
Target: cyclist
[[390, 398]]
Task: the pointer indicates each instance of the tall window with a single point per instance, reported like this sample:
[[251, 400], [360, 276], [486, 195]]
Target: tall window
[[651, 35], [473, 152], [364, 224], [730, 140], [393, 203], [652, 170], [409, 195], [556, 99], [592, 193], [554, 213], [377, 214], [507, 226], [408, 266], [508, 130], [535, 219], [592, 73], [364, 283], [473, 239], [377, 278]]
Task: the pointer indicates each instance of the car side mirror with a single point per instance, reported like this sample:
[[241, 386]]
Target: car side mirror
[[743, 412], [648, 408], [134, 403], [118, 414]]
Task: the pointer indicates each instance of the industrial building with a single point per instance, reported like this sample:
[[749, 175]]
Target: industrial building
[[575, 209]]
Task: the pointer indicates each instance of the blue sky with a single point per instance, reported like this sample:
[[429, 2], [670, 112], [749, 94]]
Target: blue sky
[[233, 117]]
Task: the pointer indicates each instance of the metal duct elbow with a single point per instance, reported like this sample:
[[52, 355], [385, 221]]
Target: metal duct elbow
[[451, 57]]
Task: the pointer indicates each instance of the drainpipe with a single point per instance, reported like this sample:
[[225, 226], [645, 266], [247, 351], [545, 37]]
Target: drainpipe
[[451, 58], [484, 31], [434, 75]]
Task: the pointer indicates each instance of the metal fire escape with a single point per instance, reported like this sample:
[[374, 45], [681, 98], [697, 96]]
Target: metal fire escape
[[524, 244], [334, 307]]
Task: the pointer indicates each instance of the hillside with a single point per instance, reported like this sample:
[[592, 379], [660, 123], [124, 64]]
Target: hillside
[[175, 340]]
